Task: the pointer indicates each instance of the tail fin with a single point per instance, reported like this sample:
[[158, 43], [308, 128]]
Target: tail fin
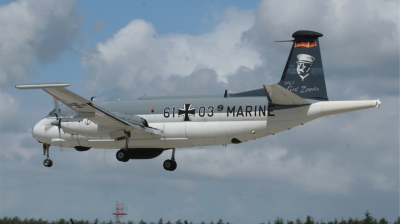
[[303, 73]]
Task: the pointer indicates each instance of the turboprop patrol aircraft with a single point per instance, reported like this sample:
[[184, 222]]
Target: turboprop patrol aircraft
[[145, 128]]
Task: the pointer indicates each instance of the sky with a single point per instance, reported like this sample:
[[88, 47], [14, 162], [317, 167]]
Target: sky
[[334, 167]]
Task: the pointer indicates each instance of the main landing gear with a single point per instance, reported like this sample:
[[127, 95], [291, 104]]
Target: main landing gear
[[123, 154], [170, 164], [47, 162]]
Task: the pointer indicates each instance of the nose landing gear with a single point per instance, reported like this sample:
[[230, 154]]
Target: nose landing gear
[[170, 164], [47, 162]]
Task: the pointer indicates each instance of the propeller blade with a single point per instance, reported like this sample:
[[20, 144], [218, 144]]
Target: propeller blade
[[59, 131], [59, 127], [57, 110]]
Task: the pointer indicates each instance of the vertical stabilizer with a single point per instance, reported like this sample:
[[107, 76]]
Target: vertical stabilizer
[[303, 73]]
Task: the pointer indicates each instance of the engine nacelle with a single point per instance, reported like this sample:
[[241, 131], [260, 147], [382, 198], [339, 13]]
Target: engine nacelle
[[85, 127]]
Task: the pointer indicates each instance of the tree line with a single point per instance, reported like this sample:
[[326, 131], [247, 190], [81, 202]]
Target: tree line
[[368, 219]]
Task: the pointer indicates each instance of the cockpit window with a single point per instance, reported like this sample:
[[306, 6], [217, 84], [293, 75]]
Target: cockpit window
[[52, 113], [63, 111]]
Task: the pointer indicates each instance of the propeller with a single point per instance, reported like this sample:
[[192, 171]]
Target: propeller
[[57, 113], [56, 109]]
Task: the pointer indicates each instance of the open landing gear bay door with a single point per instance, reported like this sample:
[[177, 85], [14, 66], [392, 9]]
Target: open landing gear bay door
[[86, 109]]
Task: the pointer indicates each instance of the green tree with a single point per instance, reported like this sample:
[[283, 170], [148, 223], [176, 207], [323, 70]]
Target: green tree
[[343, 221], [398, 221], [298, 221], [335, 221], [220, 221], [278, 221], [309, 220], [169, 222], [160, 221], [178, 221], [350, 221], [142, 222], [368, 218], [130, 222], [383, 221]]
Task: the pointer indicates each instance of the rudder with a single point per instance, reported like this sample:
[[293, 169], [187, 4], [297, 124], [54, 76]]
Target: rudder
[[303, 73]]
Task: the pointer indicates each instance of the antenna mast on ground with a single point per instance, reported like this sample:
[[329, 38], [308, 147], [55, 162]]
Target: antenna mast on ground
[[119, 212]]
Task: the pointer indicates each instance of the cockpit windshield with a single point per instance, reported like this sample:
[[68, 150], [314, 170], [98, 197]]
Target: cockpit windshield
[[63, 111], [53, 113]]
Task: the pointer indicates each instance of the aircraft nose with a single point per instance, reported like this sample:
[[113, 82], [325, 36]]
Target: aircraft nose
[[35, 131], [38, 131]]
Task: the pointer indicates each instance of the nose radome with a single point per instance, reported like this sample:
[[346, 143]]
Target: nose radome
[[35, 131], [39, 131]]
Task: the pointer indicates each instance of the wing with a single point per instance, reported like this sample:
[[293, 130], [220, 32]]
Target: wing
[[86, 109]]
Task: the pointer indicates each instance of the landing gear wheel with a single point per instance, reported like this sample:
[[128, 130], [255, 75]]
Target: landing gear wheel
[[122, 155], [47, 163], [174, 165], [169, 165]]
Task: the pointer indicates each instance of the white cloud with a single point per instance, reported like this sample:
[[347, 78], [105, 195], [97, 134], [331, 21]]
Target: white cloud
[[13, 150], [130, 56], [384, 183], [221, 50], [135, 55], [266, 163], [9, 110], [356, 36], [33, 32]]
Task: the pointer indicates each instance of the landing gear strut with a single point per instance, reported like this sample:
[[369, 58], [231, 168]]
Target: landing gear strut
[[47, 162], [170, 164], [123, 154]]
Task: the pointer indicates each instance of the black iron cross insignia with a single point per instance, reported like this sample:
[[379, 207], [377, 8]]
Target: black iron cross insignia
[[186, 111]]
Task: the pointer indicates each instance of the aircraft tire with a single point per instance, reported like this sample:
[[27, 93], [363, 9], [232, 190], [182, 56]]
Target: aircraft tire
[[169, 165], [174, 165], [122, 155], [47, 163]]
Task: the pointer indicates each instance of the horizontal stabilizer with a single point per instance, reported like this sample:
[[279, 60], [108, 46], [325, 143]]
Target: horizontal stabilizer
[[278, 95]]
